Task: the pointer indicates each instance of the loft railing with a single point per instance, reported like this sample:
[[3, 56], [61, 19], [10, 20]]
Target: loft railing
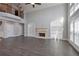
[[8, 8]]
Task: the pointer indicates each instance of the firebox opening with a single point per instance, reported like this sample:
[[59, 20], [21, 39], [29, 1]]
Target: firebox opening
[[42, 34]]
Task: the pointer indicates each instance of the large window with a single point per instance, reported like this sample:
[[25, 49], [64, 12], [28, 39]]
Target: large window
[[56, 28], [71, 31], [73, 8], [74, 25], [76, 32]]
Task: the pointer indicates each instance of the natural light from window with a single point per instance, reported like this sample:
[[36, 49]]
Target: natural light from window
[[56, 28]]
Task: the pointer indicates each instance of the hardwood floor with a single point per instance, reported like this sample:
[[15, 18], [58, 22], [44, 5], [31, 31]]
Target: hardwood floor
[[26, 46]]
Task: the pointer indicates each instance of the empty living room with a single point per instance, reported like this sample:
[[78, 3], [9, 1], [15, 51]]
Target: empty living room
[[39, 29]]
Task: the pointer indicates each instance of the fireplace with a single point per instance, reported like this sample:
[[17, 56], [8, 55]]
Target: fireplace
[[42, 34]]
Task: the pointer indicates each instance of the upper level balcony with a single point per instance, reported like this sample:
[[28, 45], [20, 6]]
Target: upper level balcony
[[11, 13], [9, 8]]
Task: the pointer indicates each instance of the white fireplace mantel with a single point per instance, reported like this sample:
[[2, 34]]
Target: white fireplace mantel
[[42, 30]]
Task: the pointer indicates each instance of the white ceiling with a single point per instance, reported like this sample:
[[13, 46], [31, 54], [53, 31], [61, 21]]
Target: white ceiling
[[29, 8]]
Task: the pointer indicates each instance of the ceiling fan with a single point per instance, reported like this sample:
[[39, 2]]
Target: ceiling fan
[[33, 4]]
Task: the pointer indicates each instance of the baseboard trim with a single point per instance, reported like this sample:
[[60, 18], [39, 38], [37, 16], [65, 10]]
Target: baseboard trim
[[12, 36], [44, 37]]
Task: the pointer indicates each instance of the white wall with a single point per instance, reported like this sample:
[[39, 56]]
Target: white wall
[[12, 29], [12, 25], [43, 17], [1, 29]]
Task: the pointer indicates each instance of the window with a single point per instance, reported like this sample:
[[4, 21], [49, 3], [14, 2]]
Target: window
[[70, 4], [76, 34], [74, 25], [73, 8], [71, 31], [76, 7], [56, 28]]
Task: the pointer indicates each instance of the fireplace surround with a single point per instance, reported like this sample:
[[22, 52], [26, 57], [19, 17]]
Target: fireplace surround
[[41, 32]]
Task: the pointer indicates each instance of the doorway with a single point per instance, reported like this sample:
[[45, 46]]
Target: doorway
[[1, 29], [22, 26]]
